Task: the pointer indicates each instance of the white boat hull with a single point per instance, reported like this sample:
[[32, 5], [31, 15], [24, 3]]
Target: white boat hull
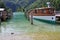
[[50, 18]]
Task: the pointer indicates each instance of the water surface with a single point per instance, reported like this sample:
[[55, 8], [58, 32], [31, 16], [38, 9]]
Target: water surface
[[19, 25]]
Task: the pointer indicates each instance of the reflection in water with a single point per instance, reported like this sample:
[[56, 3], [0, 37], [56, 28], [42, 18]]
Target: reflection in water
[[11, 25], [3, 27], [0, 28]]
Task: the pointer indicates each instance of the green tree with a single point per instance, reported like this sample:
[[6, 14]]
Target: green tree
[[2, 5], [42, 3]]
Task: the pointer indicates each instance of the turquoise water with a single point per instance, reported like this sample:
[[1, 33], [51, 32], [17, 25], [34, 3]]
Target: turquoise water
[[19, 24]]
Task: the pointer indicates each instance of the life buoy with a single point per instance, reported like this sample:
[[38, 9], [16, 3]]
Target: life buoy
[[52, 18]]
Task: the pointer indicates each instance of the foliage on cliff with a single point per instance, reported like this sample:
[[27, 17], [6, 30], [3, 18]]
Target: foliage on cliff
[[19, 5]]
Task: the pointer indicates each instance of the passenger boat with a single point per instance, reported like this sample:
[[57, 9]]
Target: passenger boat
[[45, 14]]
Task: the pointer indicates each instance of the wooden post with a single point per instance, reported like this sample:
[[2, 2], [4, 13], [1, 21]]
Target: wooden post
[[31, 18], [28, 17], [0, 20], [0, 17]]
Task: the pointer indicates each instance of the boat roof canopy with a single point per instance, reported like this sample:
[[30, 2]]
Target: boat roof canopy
[[2, 9], [45, 8], [57, 15]]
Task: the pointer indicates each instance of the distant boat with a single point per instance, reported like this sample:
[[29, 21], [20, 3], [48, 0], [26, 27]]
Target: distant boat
[[43, 14], [1, 9], [4, 14], [57, 16]]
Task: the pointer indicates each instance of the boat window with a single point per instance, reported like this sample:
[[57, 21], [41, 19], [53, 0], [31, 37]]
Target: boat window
[[51, 11], [36, 11], [43, 11]]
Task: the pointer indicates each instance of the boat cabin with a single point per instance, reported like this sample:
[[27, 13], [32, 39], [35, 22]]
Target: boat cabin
[[42, 12]]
